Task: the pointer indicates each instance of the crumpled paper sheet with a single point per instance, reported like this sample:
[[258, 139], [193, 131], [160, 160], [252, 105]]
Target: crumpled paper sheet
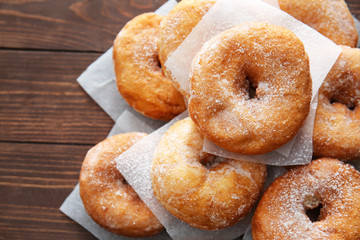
[[229, 13]]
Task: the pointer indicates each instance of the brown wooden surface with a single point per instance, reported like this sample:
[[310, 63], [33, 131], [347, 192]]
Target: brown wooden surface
[[40, 100], [36, 178], [47, 122], [79, 25]]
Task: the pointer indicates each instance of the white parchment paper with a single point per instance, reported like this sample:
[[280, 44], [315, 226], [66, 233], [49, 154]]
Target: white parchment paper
[[229, 13]]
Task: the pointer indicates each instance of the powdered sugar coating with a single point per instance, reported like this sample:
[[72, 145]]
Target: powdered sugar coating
[[337, 122], [253, 55], [106, 196], [209, 197], [331, 18], [281, 213]]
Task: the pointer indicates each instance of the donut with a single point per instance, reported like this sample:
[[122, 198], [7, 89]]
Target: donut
[[204, 192], [317, 201], [250, 88], [337, 121], [331, 18], [107, 197], [177, 25], [139, 76]]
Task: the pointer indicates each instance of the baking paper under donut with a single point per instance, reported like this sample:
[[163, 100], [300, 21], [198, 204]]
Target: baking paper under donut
[[229, 13]]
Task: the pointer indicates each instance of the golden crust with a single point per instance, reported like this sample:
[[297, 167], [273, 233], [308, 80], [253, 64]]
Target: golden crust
[[253, 55], [281, 212], [337, 121], [208, 197], [331, 18], [106, 196], [138, 73], [177, 25]]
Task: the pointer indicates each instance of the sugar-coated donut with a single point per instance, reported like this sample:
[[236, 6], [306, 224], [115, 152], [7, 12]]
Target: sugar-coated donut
[[326, 184], [177, 25], [139, 76], [337, 120], [251, 88], [107, 198], [331, 18], [204, 192]]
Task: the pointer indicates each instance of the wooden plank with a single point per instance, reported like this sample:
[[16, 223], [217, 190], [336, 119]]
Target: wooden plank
[[67, 24], [36, 179], [354, 6], [40, 100]]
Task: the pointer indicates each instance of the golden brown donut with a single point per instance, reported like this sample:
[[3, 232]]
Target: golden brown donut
[[108, 198], [138, 71], [206, 193], [337, 120], [328, 184], [177, 25], [251, 88], [331, 18]]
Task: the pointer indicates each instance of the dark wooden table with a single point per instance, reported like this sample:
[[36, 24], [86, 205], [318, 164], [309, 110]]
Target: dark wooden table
[[47, 122]]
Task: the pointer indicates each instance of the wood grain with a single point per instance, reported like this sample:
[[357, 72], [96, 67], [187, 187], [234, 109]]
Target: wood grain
[[36, 179], [40, 100], [81, 25], [354, 6]]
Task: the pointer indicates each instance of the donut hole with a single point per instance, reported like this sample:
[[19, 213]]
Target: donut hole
[[211, 161], [314, 214], [250, 88], [351, 106], [313, 207]]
